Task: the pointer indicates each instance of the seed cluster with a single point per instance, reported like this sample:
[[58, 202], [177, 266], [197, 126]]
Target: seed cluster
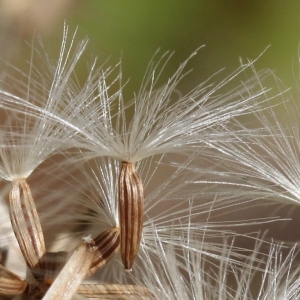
[[53, 272]]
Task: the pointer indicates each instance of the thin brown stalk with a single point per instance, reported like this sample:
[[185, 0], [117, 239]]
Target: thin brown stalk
[[115, 291], [131, 209]]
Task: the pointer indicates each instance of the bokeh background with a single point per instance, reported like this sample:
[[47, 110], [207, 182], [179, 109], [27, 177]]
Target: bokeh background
[[134, 30]]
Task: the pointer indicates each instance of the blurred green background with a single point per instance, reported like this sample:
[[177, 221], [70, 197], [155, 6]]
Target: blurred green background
[[134, 30]]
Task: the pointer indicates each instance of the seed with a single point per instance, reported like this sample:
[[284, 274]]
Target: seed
[[131, 210], [107, 244], [26, 223], [11, 284]]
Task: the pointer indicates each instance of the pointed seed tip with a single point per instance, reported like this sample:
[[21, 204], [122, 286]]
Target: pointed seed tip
[[128, 270]]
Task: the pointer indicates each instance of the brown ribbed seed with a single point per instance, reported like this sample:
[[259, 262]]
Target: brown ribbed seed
[[107, 245], [115, 291], [11, 284], [26, 223], [131, 211]]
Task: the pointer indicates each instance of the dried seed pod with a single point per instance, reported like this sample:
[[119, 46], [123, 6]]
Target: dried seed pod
[[131, 211], [11, 284], [115, 291], [67, 282], [26, 223], [107, 244]]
